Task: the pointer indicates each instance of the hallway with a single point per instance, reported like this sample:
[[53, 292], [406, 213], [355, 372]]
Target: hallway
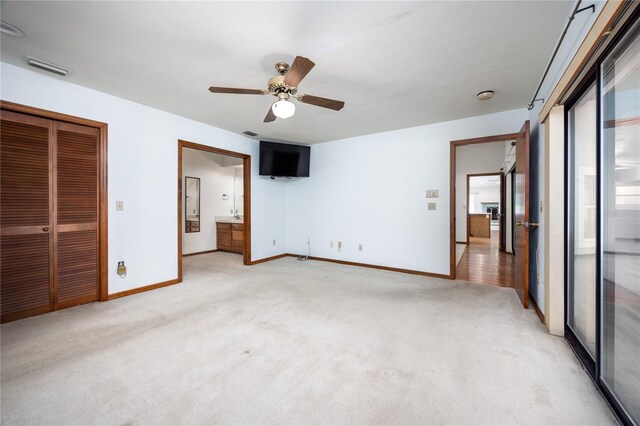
[[483, 263]]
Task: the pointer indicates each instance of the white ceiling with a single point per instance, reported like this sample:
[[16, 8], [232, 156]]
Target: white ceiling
[[395, 64], [221, 160], [476, 182]]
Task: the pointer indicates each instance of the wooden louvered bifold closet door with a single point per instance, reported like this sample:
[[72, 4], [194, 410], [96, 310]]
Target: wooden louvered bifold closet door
[[26, 211], [76, 175], [48, 214]]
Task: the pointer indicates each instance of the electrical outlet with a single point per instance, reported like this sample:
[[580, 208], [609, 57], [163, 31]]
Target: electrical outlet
[[431, 206], [274, 242], [122, 269], [359, 247], [119, 206], [331, 244], [339, 245]]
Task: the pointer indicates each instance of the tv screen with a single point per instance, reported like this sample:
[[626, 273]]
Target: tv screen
[[284, 160]]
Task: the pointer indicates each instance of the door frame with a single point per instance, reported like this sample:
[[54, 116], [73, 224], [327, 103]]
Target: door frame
[[501, 201], [103, 199], [246, 172], [452, 188]]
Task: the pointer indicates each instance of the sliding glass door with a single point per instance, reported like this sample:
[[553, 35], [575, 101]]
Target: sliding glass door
[[581, 241], [620, 305], [603, 224]]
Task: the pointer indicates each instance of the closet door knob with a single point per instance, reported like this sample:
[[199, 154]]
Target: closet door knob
[[45, 229]]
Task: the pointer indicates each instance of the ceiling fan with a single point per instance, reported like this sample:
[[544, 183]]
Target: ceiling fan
[[285, 87]]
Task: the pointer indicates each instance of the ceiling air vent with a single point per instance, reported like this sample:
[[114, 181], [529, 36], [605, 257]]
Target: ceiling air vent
[[46, 66], [250, 133]]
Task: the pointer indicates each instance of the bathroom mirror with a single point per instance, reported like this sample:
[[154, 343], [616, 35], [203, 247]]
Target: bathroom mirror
[[192, 204], [238, 192]]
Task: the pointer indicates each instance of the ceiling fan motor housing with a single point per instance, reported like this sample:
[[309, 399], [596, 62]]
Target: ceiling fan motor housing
[[276, 86]]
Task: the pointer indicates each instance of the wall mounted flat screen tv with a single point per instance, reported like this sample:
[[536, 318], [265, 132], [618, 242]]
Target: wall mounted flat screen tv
[[284, 160]]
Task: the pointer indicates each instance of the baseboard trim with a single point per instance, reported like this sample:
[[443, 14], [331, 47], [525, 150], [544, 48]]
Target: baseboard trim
[[369, 265], [537, 308], [142, 289], [199, 252], [267, 259]]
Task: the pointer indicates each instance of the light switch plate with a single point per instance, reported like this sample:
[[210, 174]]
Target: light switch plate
[[431, 206], [119, 205], [432, 193]]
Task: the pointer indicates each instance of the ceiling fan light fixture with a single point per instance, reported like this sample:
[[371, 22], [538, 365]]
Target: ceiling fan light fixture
[[283, 109]]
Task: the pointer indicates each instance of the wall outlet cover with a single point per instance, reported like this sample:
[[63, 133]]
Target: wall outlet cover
[[431, 206]]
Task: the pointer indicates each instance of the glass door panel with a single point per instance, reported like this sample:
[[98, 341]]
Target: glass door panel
[[581, 241], [620, 306]]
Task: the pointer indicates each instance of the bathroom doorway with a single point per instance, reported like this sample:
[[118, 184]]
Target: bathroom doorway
[[214, 202]]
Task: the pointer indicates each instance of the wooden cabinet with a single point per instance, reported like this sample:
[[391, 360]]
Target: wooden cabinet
[[223, 232], [480, 225], [237, 237], [230, 237]]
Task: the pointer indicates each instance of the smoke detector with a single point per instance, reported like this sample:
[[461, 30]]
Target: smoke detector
[[485, 95]]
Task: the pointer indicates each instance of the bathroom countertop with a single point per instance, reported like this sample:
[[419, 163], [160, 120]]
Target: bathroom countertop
[[229, 219]]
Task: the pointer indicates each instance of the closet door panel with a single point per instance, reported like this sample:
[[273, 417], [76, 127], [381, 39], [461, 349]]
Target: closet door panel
[[24, 159], [77, 174], [25, 216], [77, 267], [25, 275], [77, 214]]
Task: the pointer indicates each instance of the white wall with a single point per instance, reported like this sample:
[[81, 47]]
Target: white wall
[[478, 158], [143, 170], [370, 190], [215, 180], [483, 194]]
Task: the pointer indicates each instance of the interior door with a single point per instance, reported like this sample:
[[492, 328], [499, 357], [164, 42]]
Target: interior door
[[521, 213], [76, 237], [26, 216]]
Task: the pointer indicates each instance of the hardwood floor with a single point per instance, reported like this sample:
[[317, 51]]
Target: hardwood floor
[[483, 263]]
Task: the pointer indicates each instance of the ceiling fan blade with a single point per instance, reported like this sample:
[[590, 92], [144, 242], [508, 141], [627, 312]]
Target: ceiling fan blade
[[270, 116], [233, 90], [299, 69], [321, 102]]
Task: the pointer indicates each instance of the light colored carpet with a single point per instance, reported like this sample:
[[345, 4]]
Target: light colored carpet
[[295, 342], [460, 248]]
